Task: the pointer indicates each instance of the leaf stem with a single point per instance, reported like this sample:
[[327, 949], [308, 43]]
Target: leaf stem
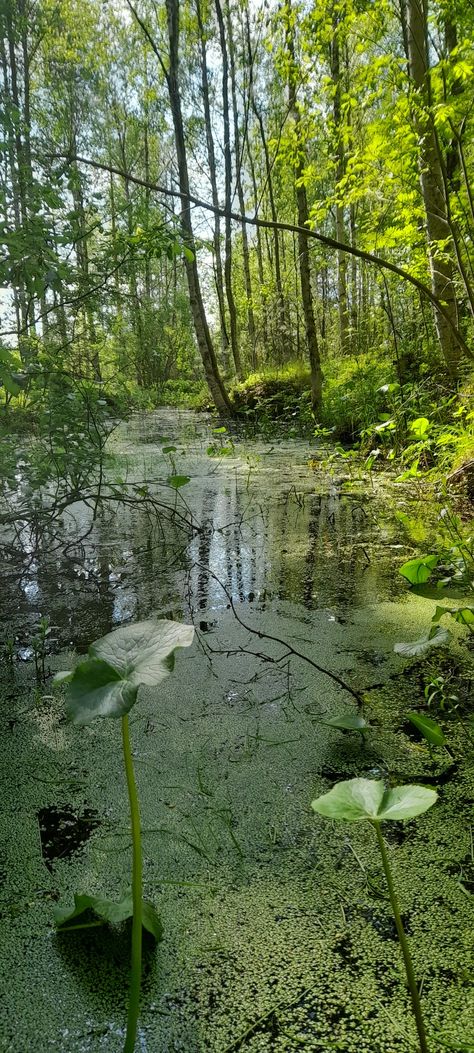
[[410, 972], [136, 959]]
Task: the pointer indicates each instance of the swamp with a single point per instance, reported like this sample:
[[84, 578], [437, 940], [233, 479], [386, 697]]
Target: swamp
[[236, 526], [277, 932]]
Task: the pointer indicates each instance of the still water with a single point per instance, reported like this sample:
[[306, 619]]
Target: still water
[[274, 937]]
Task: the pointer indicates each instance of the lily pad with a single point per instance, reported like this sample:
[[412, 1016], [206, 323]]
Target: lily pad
[[107, 911], [358, 799], [107, 682]]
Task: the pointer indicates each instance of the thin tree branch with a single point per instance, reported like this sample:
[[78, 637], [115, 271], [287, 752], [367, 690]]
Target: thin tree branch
[[293, 228]]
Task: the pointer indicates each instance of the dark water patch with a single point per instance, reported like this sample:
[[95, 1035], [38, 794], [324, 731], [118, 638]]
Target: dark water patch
[[64, 832]]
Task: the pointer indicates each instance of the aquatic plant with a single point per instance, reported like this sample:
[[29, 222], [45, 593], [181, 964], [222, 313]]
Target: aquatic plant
[[369, 799], [106, 684], [39, 642], [348, 722]]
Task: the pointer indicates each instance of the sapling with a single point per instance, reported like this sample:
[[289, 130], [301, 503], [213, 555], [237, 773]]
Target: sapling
[[369, 799], [106, 684]]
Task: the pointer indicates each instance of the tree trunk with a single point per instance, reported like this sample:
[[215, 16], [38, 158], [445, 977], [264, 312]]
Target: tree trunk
[[203, 335], [234, 342], [282, 321], [440, 243], [340, 169], [303, 216], [240, 192], [211, 155]]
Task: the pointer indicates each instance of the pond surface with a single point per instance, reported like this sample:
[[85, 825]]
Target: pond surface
[[277, 932]]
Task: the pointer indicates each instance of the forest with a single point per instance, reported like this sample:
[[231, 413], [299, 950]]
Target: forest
[[237, 447]]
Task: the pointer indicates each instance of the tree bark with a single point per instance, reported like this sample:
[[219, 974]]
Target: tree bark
[[203, 336], [234, 342], [211, 155], [240, 191], [440, 242], [303, 216], [340, 169]]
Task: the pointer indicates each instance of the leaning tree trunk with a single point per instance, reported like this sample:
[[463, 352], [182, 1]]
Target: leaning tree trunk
[[203, 336], [440, 241]]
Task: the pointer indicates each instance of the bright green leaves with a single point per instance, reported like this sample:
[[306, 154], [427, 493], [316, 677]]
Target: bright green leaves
[[427, 727], [89, 911], [107, 682], [419, 427], [419, 570], [358, 799], [462, 615]]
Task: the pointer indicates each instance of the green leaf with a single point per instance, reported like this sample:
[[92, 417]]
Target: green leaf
[[463, 615], [346, 722], [143, 653], [108, 911], [107, 682], [176, 481], [417, 571], [358, 799], [219, 431], [436, 637], [97, 690], [419, 427], [430, 730], [169, 449]]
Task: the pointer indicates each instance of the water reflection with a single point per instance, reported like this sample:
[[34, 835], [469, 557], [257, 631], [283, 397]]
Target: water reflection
[[261, 522]]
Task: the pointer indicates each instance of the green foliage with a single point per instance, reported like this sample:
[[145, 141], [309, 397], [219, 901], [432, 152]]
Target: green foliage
[[106, 683], [430, 730], [348, 722], [368, 799], [457, 557], [439, 694], [106, 911], [419, 570], [177, 481]]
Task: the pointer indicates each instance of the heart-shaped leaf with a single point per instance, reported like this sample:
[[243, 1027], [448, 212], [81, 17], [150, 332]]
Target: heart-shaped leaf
[[97, 690], [108, 911], [107, 682], [346, 722], [417, 571], [435, 638], [358, 799], [430, 730]]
